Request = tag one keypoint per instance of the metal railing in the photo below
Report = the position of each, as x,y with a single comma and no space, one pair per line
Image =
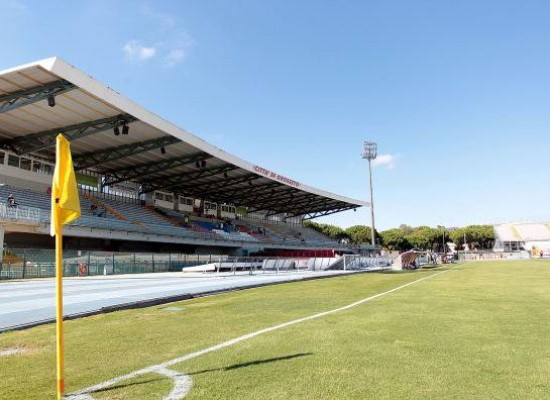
36,263
14,213
32,263
101,225
492,255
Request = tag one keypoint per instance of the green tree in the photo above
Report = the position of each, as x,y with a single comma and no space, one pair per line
332,231
457,237
361,234
407,230
423,237
476,236
480,236
442,239
394,239
406,237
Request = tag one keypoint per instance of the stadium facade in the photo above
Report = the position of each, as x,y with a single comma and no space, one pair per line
516,236
146,184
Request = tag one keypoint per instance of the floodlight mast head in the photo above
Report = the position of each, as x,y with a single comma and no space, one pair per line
370,150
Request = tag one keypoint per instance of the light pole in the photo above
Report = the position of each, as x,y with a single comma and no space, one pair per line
369,153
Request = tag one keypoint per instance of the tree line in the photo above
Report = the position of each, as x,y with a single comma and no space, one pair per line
405,237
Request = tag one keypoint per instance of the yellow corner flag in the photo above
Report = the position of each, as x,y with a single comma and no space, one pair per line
65,208
65,201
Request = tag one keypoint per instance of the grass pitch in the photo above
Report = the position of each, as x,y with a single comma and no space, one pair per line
477,331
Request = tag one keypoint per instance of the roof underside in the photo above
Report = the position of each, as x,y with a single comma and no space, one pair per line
155,153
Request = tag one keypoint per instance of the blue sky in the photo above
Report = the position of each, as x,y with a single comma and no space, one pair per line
457,94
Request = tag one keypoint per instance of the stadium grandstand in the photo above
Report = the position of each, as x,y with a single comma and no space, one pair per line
146,185
533,237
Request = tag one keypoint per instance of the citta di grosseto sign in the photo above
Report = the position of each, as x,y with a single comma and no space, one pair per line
270,174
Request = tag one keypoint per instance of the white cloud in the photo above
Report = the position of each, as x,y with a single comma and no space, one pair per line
146,52
178,50
386,160
135,51
12,6
170,44
165,21
175,56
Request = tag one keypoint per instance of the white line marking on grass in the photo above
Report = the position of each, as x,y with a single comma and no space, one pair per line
11,351
83,396
183,383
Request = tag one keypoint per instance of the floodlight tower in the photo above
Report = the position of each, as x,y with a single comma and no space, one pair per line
369,153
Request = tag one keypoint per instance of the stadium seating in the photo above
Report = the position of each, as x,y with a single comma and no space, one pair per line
26,197
530,232
522,232
104,213
238,236
261,230
173,217
293,233
134,212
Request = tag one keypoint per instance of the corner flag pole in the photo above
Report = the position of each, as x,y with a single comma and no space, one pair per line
65,208
59,312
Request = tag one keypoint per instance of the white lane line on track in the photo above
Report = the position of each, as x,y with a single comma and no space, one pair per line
86,394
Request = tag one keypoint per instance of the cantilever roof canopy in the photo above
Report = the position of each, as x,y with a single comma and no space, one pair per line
156,153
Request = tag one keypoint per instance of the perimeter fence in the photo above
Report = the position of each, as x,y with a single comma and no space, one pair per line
32,263
493,255
40,263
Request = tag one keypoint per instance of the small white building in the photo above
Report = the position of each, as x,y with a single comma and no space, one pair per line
515,236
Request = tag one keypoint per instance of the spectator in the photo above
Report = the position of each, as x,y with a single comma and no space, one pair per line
98,213
11,201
